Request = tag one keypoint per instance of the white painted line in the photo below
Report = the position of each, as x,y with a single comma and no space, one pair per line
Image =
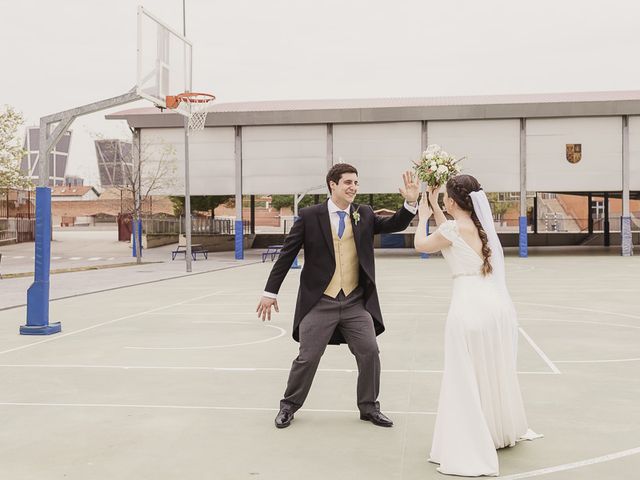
92,259
588,322
571,466
539,351
191,407
75,258
17,257
580,309
216,313
615,360
210,347
223,369
56,258
108,322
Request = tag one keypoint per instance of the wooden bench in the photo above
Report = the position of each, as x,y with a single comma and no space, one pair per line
273,250
196,249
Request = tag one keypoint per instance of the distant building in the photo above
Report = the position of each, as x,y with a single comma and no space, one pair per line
57,158
68,194
114,158
73,181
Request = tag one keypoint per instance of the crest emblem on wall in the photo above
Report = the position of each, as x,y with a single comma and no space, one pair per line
574,152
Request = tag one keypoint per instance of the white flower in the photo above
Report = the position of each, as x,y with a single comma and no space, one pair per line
433,148
444,154
429,156
442,169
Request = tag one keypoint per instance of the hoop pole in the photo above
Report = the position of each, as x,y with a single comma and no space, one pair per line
187,196
38,292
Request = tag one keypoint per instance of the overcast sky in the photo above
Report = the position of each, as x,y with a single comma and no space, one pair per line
61,54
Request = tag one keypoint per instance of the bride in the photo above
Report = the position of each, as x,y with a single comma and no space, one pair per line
480,407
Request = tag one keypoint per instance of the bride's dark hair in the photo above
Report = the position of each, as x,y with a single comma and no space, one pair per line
458,189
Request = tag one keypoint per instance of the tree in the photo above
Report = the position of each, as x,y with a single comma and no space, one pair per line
284,201
11,151
498,207
199,203
152,168
390,201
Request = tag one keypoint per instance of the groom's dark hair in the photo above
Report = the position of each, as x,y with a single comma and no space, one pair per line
335,173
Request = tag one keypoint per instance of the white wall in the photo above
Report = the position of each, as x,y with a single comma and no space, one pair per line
211,159
284,159
601,164
491,148
381,152
634,152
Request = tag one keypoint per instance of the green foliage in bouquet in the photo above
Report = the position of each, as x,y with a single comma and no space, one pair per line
436,166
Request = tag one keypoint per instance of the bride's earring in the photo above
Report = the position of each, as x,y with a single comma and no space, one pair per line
449,205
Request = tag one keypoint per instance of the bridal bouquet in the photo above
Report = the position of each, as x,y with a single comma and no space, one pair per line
436,166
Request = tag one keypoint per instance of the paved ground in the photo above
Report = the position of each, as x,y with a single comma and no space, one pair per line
177,379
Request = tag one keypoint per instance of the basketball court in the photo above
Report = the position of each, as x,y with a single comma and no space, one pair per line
178,379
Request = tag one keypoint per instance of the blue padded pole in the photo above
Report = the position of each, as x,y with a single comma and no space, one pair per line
38,292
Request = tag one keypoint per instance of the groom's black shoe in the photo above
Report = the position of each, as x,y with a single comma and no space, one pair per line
284,417
377,418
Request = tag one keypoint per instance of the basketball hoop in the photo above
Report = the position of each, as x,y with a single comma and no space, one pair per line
195,107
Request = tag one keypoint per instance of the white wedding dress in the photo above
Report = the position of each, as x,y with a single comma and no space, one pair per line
480,407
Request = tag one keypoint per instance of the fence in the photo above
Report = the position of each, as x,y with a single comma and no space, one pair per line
207,226
547,223
19,229
550,223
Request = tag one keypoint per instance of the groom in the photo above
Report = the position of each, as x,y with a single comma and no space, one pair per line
337,299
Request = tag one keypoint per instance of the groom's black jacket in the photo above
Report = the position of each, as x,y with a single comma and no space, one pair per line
312,231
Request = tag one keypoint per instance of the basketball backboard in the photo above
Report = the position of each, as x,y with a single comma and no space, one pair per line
164,60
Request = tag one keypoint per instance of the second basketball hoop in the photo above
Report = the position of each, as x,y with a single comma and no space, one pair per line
193,105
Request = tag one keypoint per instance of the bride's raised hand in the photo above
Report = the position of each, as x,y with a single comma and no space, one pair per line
433,196
424,210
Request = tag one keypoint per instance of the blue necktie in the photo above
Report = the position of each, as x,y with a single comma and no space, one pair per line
341,225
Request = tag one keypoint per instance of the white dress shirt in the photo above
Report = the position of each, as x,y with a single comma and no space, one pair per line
334,218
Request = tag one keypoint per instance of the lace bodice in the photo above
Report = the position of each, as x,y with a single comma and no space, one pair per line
461,258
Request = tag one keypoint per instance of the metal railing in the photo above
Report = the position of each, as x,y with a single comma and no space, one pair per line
19,229
199,225
8,230
556,223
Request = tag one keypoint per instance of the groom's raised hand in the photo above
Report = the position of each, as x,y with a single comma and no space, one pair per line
264,307
411,190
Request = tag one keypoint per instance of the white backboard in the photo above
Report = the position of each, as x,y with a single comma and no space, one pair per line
164,60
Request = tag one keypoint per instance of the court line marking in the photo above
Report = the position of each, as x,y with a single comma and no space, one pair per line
581,309
82,330
539,351
588,322
614,360
571,466
210,347
222,369
548,305
191,407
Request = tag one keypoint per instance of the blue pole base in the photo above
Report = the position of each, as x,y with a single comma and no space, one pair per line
239,240
40,329
424,255
38,292
523,243
295,265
